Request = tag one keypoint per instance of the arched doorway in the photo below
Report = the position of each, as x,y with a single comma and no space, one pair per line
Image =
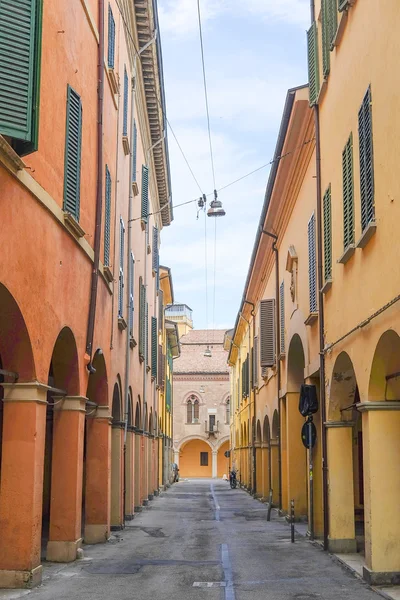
346,465
117,441
195,459
222,460
97,455
294,457
274,457
63,463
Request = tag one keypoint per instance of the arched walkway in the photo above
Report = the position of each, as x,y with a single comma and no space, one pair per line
222,461
258,451
274,457
138,491
195,459
129,503
117,441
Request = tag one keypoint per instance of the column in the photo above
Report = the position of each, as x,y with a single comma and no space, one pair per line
144,471
283,430
137,475
129,475
214,463
150,488
259,471
274,449
263,485
342,536
117,444
66,480
98,476
21,491
296,456
381,449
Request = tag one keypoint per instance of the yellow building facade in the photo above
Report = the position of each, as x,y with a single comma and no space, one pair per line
329,315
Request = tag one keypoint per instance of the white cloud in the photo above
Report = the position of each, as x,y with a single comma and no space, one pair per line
179,17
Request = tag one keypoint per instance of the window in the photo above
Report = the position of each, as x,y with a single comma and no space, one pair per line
145,194
20,70
73,142
131,295
313,67
228,411
142,318
245,378
111,38
329,28
211,421
255,362
348,194
366,161
192,408
267,332
134,152
125,114
121,268
154,346
312,265
327,234
282,316
204,459
107,219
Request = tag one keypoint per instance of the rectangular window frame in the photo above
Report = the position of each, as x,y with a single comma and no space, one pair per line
107,218
121,283
204,459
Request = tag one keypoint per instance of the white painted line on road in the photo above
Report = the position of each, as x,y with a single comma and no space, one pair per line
209,584
227,567
217,506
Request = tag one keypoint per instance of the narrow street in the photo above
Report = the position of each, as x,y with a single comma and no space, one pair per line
203,541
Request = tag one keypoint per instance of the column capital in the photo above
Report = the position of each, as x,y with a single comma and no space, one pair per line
100,412
381,405
32,391
337,424
72,403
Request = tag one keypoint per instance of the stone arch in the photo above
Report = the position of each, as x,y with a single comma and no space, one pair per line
190,438
15,345
258,432
343,389
384,381
222,441
266,431
97,390
295,364
130,408
64,365
116,411
138,414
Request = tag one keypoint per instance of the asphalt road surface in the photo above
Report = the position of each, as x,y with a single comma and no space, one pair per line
201,541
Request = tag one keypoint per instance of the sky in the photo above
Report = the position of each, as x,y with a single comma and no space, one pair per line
255,50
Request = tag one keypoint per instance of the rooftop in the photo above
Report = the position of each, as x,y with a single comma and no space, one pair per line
193,345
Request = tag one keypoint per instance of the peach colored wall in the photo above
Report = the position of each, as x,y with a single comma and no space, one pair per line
222,461
189,459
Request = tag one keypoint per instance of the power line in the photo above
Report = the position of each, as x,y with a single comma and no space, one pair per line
215,268
206,269
205,92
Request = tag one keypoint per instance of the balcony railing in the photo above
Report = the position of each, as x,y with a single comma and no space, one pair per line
211,429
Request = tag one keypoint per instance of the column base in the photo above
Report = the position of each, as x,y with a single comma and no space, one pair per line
156,493
346,546
117,527
21,579
129,517
145,502
63,552
138,509
96,534
381,578
151,496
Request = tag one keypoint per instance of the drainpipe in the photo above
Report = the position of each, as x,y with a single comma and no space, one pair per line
130,276
278,362
251,338
99,191
321,321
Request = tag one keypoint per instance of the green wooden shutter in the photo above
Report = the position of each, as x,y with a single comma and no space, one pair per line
17,53
146,334
327,210
107,218
326,46
131,293
255,362
343,4
348,194
160,310
267,332
73,143
154,346
125,115
134,152
366,161
111,38
282,316
312,265
145,194
142,318
332,20
121,267
313,66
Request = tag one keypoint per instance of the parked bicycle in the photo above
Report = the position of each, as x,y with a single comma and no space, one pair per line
233,478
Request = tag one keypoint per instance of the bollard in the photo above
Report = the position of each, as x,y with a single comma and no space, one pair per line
292,521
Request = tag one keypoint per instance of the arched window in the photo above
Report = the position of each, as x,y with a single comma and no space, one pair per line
192,407
228,410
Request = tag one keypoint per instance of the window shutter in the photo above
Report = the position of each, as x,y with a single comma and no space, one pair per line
17,62
142,318
146,337
160,368
134,152
131,295
366,161
326,45
111,38
348,194
282,316
160,310
125,115
196,409
312,266
145,193
155,250
73,141
154,346
121,267
313,67
267,332
327,234
107,219
343,4
255,362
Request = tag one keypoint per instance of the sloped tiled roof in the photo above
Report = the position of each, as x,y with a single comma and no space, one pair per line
193,345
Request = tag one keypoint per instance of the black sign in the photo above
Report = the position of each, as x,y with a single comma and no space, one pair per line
227,454
305,434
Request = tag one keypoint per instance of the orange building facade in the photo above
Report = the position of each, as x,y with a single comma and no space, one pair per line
84,192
